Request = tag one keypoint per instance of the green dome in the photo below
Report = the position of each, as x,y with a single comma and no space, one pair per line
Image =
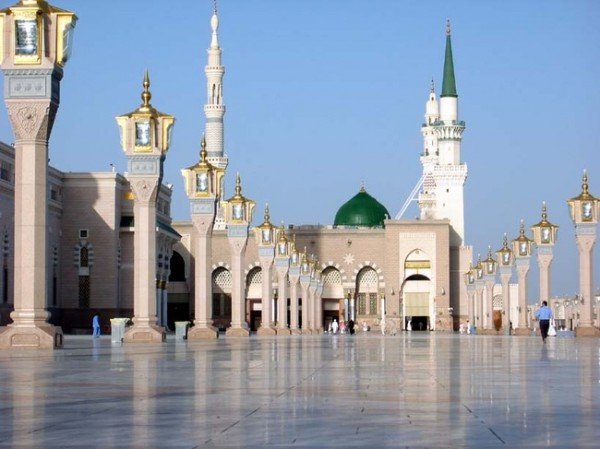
361,210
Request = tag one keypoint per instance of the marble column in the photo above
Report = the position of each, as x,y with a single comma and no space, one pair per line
304,284
505,275
238,238
544,258
489,280
144,329
479,287
471,303
266,263
282,290
294,276
319,307
522,267
203,215
586,238
312,310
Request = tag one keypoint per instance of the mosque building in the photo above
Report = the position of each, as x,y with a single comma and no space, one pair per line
218,273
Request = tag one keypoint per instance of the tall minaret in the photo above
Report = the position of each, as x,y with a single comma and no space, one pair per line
429,157
214,109
449,173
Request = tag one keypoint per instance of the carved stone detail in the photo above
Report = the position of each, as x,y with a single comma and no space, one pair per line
32,120
145,190
203,223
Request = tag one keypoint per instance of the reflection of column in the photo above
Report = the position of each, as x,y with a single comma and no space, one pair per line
505,275
522,264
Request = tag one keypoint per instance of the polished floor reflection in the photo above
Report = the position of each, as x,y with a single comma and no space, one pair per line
412,390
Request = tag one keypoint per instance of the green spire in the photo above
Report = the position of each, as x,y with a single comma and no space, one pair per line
449,83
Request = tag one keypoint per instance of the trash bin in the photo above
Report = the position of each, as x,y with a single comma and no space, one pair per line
181,330
117,329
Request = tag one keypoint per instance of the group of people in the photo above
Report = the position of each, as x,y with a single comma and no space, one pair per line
342,327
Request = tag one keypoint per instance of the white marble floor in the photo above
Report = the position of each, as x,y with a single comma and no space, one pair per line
413,390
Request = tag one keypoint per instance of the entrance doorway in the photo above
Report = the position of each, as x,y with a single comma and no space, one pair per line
418,323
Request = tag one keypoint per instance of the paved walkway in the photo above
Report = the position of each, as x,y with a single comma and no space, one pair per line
412,390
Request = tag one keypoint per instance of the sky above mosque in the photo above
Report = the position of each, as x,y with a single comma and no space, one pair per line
323,96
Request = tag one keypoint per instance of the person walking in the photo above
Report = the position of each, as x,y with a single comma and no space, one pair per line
351,326
334,326
544,315
96,326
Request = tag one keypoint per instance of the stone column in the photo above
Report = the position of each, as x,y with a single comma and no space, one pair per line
522,264
544,260
266,263
165,305
238,237
505,275
319,307
471,303
282,289
294,276
586,238
312,310
304,284
489,280
203,225
479,287
144,329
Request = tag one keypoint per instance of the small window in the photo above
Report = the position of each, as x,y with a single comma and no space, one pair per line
83,233
6,171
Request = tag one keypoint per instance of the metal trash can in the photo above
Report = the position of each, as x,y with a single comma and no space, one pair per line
181,330
117,329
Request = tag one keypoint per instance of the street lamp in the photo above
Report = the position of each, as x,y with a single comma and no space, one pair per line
282,266
489,277
266,252
238,215
294,278
544,236
505,264
584,210
522,251
479,287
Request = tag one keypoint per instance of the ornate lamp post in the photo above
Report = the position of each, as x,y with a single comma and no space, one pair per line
238,215
282,265
544,236
319,303
479,286
265,239
469,279
35,44
203,188
584,210
294,277
304,284
505,262
489,277
522,252
145,138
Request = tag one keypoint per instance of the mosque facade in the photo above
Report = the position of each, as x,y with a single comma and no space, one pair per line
365,266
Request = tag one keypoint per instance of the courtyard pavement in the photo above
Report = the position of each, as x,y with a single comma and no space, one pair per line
413,390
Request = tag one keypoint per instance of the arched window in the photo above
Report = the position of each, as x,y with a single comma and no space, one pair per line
177,265
367,284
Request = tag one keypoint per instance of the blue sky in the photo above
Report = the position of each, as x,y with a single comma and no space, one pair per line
323,95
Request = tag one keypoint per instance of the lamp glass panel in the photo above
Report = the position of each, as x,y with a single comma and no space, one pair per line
490,267
202,182
295,258
68,42
26,37
283,249
266,235
505,257
586,210
142,133
237,211
546,235
522,248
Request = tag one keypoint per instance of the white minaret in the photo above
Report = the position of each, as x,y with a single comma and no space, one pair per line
214,110
429,157
444,174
